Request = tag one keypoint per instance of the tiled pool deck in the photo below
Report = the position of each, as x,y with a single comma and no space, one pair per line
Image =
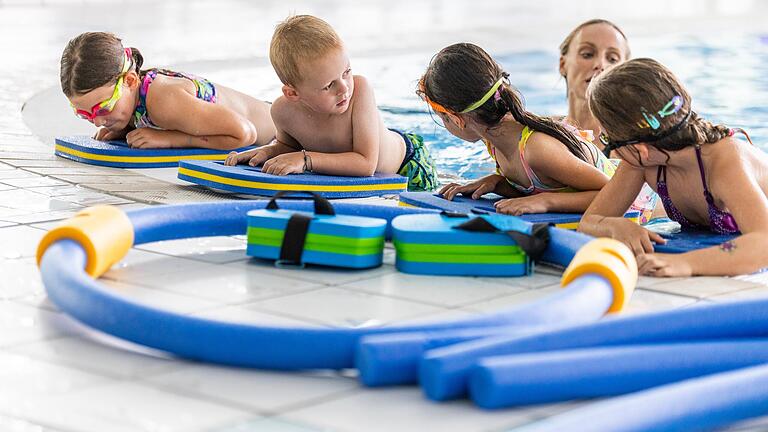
57,375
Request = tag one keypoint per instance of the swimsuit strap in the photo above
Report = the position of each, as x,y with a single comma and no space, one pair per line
707,195
537,186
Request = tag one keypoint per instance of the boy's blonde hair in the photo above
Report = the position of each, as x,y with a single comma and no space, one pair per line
299,39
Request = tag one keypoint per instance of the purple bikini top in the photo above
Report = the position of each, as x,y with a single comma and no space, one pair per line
720,221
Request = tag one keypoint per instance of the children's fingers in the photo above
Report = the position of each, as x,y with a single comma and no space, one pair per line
657,238
646,243
480,191
257,159
449,191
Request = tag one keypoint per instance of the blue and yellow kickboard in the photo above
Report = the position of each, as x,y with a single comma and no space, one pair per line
462,204
332,240
250,180
429,244
118,154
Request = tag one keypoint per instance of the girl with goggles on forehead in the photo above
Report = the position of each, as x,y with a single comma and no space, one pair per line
156,108
541,165
706,176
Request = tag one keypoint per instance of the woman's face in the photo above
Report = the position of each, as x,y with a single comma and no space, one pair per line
594,48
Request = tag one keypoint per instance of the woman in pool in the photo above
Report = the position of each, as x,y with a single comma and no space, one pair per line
589,49
537,158
706,176
106,86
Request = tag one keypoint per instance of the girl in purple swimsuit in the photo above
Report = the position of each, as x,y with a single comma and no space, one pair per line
706,176
156,108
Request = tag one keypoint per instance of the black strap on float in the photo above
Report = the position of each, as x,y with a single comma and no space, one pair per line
533,244
297,228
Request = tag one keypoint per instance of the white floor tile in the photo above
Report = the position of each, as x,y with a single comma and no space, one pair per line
249,314
19,242
703,287
21,324
94,356
345,308
124,406
437,290
403,410
223,283
20,278
22,376
263,391
209,249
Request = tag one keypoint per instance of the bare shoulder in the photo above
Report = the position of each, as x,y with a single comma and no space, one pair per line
363,88
541,146
282,110
165,100
727,153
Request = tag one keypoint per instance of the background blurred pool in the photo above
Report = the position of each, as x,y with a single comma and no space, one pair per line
727,78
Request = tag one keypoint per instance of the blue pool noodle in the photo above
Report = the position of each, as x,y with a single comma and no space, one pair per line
556,376
76,293
699,404
443,372
393,359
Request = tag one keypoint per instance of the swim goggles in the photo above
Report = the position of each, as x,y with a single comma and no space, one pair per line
439,108
105,107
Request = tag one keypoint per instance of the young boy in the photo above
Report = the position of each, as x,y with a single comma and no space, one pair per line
327,120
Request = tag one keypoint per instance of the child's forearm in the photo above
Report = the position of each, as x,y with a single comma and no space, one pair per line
569,202
343,164
597,225
743,255
218,142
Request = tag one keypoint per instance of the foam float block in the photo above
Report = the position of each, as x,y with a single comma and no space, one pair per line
250,180
430,244
331,240
119,155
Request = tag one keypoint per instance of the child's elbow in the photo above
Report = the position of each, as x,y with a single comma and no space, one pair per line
368,169
246,135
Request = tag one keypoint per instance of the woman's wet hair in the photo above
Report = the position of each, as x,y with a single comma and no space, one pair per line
565,45
626,97
461,74
92,60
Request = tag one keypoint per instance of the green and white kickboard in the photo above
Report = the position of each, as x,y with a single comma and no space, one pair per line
331,240
430,244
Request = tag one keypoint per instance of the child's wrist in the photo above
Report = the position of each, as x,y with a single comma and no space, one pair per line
307,161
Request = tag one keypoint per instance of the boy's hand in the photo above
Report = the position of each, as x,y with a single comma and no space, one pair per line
253,157
477,188
522,205
639,239
147,138
664,265
287,163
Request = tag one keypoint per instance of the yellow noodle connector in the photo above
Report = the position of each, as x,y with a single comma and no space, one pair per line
610,259
104,232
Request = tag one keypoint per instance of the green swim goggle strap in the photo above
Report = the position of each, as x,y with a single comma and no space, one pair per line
485,97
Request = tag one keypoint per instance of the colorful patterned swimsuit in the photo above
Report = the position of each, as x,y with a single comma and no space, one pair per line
205,91
537,186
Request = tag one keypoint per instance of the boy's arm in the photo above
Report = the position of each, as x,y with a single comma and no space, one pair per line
191,122
364,157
